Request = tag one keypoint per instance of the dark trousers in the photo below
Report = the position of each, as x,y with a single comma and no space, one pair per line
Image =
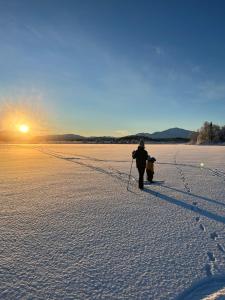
149,175
141,172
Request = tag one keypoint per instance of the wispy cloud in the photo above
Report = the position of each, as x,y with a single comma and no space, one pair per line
158,50
212,90
35,32
196,69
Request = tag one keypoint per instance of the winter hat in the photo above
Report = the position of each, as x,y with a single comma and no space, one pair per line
142,143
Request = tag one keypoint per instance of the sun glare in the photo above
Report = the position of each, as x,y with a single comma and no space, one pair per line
24,128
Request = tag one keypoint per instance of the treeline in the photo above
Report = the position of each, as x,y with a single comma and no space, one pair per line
130,139
209,133
135,139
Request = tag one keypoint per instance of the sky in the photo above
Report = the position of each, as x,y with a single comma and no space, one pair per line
112,67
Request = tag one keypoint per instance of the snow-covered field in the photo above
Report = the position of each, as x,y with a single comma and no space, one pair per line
71,230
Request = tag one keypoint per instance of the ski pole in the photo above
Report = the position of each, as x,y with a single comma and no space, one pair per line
130,174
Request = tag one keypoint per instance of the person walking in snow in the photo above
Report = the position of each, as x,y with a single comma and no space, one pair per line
141,156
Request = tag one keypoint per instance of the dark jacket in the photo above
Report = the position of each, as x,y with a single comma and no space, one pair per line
141,156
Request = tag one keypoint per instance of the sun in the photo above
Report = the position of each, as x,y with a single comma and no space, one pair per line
24,128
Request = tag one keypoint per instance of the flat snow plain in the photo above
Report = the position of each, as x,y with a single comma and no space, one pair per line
71,230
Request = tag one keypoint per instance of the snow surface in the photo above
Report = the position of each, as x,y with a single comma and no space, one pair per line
71,230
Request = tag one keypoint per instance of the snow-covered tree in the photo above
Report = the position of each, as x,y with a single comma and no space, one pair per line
194,137
209,133
222,134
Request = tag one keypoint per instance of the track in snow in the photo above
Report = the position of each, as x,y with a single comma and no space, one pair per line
210,265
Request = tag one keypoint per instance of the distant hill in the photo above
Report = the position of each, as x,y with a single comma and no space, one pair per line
171,133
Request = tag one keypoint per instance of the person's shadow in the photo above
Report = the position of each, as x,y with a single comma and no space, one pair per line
197,196
155,182
185,205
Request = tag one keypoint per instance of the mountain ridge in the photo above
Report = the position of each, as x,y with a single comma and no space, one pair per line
174,132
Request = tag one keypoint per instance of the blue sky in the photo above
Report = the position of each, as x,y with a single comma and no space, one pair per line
115,67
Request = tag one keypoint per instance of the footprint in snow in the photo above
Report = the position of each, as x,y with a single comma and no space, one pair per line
209,270
187,188
221,248
214,236
211,256
202,227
